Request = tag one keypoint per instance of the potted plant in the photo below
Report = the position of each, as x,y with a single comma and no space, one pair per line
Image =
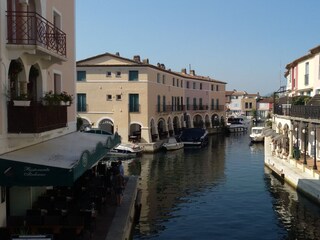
51,98
21,100
66,98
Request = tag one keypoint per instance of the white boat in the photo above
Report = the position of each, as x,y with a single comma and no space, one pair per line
237,124
126,149
257,134
172,144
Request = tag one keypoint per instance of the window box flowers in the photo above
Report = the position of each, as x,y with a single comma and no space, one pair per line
66,98
51,98
21,100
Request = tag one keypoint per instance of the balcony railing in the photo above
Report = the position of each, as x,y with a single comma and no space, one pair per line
301,111
30,28
36,118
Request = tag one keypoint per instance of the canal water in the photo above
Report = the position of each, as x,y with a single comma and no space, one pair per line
222,191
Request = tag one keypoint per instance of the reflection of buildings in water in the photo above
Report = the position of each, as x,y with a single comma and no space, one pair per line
171,178
300,217
256,147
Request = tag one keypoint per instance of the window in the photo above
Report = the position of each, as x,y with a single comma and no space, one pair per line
217,88
188,103
200,86
158,103
158,77
246,105
173,81
108,74
212,87
187,84
133,102
163,79
133,75
178,82
82,102
217,104
194,85
57,83
250,105
212,104
164,103
118,97
181,83
109,97
118,74
200,104
81,76
306,76
194,104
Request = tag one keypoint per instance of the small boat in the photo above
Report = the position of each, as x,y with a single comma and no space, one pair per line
172,144
126,150
194,137
257,134
237,124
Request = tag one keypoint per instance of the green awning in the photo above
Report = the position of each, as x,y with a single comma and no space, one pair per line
56,162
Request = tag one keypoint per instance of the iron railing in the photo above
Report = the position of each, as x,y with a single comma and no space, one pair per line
30,28
36,118
301,111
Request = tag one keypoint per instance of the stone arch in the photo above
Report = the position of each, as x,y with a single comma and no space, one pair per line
198,121
135,131
86,124
215,120
17,79
162,128
34,85
106,124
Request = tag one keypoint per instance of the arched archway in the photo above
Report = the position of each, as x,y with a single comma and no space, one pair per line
17,80
162,130
34,85
215,120
198,121
135,132
106,125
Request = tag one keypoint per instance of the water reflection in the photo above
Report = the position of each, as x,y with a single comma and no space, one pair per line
222,190
298,216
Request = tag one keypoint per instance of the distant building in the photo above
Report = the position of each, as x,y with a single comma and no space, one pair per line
144,101
241,103
303,74
264,107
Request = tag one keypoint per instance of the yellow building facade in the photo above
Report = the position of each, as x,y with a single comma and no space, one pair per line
144,101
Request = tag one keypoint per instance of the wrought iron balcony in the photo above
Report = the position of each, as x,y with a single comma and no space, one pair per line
300,111
30,28
36,118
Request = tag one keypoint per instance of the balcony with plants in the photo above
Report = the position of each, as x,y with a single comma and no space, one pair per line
26,114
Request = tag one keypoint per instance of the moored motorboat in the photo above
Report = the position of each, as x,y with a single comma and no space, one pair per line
237,124
257,134
194,137
173,144
126,149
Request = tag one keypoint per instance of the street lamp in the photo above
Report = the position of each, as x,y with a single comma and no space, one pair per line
305,131
314,133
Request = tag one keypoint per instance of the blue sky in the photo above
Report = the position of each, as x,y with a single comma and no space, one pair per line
246,43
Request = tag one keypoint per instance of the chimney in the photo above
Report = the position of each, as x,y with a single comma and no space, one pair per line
192,72
136,58
117,54
146,61
184,70
162,66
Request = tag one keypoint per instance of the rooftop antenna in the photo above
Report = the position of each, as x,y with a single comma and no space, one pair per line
189,68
